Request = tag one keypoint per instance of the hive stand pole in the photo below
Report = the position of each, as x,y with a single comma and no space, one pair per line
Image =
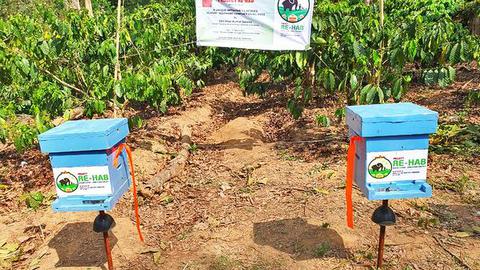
102,224
381,241
108,250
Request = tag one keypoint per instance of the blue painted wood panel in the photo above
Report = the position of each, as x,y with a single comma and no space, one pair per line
391,119
84,135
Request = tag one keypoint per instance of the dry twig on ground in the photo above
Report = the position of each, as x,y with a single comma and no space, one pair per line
174,168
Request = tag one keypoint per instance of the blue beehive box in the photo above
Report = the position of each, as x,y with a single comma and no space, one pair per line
82,155
391,160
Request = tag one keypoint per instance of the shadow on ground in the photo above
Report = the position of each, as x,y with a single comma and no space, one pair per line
300,239
458,217
77,245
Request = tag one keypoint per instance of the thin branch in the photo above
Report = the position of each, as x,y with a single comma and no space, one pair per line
64,83
135,47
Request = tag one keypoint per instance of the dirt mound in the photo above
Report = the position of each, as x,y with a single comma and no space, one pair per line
238,131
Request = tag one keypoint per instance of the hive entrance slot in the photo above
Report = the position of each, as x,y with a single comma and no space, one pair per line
93,201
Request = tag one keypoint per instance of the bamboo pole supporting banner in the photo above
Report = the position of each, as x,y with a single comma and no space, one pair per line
117,73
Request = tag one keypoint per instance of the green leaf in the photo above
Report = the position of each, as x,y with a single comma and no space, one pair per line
330,82
454,54
45,48
353,82
38,196
381,96
443,79
430,77
322,120
358,49
377,61
397,89
363,93
412,49
300,59
371,95
451,74
118,90
294,108
320,40
340,113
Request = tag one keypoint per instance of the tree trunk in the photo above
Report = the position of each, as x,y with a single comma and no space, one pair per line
88,6
75,4
475,25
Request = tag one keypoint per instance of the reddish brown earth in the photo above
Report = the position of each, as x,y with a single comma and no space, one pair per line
260,191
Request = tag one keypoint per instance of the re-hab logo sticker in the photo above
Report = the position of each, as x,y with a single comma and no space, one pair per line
391,166
87,181
380,167
66,182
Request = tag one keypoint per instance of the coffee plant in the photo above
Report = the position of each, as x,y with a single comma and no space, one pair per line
53,59
352,53
56,59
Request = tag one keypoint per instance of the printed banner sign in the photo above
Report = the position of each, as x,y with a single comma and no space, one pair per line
254,24
82,181
397,166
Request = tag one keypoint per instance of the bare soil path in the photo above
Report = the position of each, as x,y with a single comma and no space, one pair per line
260,191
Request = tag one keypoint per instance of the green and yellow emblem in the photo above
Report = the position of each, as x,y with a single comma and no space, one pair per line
380,167
293,11
67,182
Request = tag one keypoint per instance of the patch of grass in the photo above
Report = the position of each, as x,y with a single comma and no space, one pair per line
322,250
135,122
427,222
246,190
184,235
364,255
193,148
223,263
340,114
461,186
462,139
285,155
322,120
166,199
473,97
265,265
464,184
319,168
34,200
420,206
472,199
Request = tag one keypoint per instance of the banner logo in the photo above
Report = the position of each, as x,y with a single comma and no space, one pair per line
293,11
